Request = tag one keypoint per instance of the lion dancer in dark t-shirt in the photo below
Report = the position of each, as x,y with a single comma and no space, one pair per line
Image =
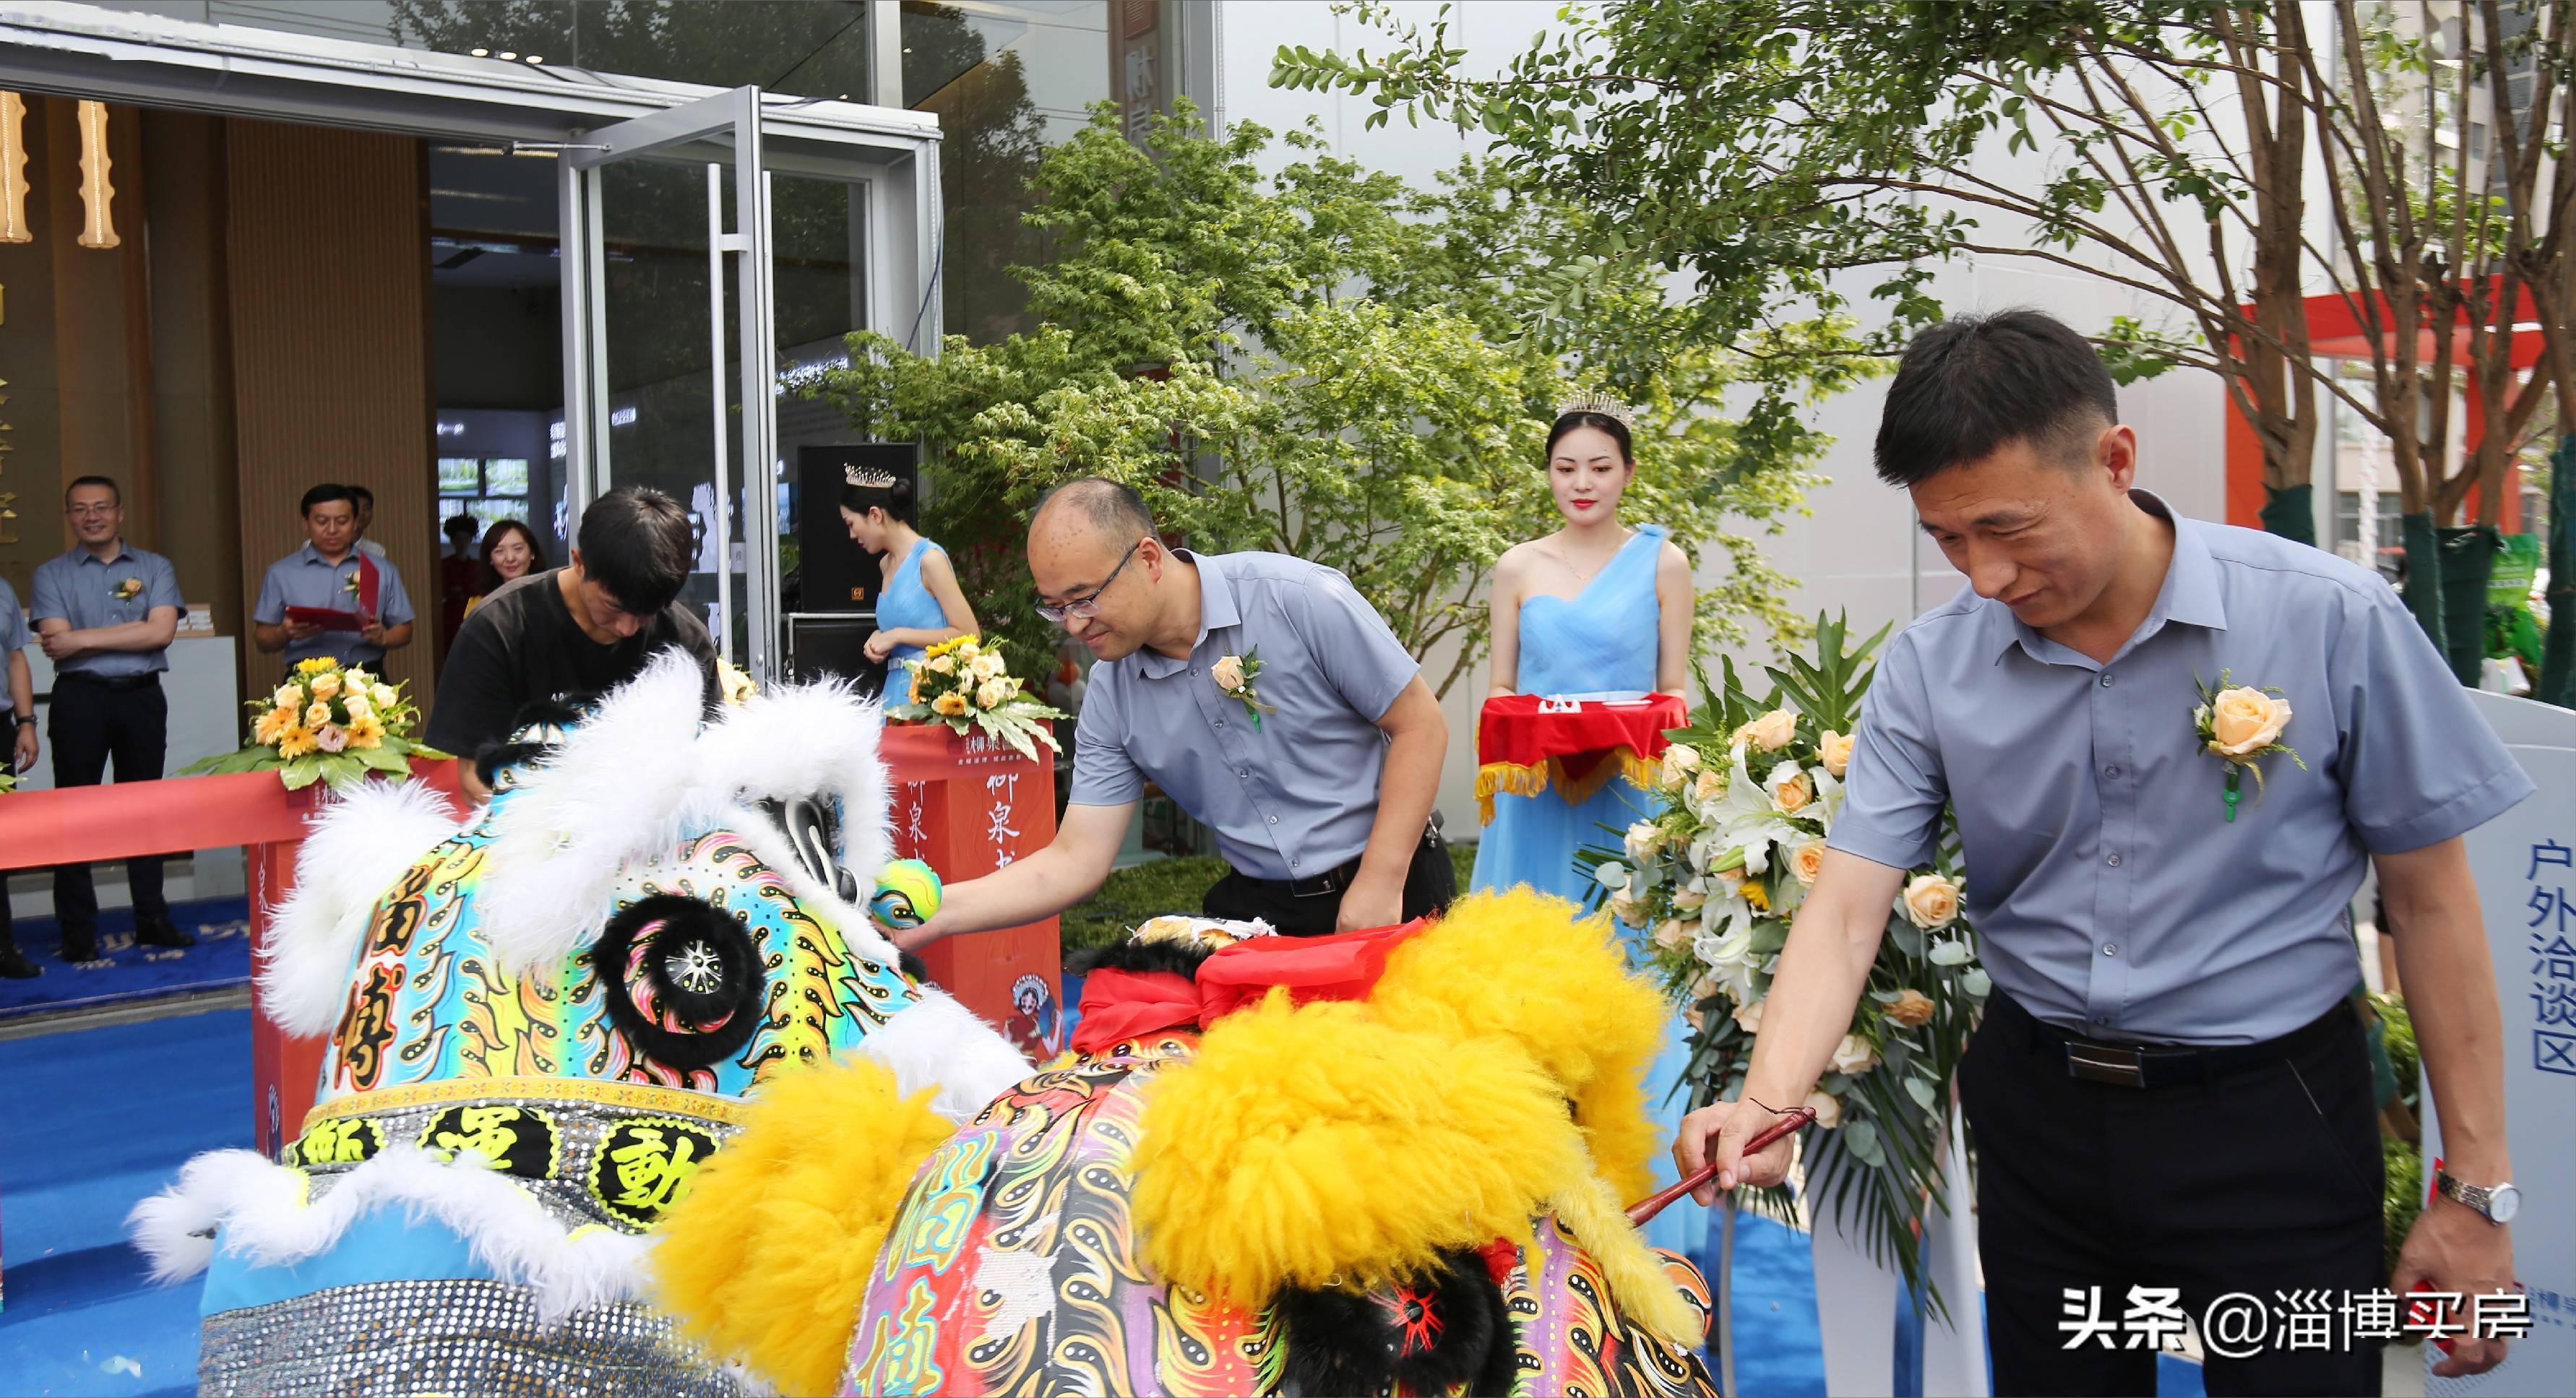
582,629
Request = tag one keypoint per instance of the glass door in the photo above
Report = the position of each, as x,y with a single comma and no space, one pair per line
680,231
654,210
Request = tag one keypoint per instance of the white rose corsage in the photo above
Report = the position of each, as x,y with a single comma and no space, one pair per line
1235,676
2240,725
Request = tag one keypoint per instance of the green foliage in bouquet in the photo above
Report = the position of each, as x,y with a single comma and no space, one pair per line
1748,793
963,682
326,724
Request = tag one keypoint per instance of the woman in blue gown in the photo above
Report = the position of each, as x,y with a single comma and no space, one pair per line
1595,609
921,604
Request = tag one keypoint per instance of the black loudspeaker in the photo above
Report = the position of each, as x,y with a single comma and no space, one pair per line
834,574
833,646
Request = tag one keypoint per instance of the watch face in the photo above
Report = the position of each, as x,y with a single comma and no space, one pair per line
2503,1203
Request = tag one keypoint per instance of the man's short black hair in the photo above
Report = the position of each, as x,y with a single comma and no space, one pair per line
325,494
1112,507
1975,383
79,481
360,496
635,542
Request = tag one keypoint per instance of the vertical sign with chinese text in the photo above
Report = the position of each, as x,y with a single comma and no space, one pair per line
2524,862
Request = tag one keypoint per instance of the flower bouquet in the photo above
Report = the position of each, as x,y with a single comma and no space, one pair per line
1746,797
966,684
326,724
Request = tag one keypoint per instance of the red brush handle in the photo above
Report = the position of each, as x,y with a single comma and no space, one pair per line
1644,1211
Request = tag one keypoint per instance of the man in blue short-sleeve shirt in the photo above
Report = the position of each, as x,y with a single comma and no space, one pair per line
21,749
105,613
2170,1088
1318,782
319,575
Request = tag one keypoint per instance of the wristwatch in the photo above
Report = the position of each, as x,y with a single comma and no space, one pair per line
26,720
2498,1202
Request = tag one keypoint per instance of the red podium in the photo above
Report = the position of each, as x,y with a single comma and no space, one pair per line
966,805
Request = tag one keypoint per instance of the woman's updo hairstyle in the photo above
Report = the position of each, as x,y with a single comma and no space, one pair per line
894,497
1568,422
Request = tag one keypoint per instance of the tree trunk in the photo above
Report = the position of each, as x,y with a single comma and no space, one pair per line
2558,649
2424,577
2468,560
2291,512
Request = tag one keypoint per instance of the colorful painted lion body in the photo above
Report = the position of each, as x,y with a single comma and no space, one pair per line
625,1095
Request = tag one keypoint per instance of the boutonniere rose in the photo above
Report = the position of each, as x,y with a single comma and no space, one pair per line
1235,676
127,590
2240,725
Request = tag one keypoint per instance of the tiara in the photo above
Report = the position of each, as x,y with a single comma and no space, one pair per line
868,477
1598,402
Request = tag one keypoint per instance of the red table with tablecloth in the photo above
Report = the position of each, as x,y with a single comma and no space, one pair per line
1527,744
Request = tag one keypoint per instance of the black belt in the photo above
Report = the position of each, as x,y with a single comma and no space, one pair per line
2162,1065
1332,881
114,684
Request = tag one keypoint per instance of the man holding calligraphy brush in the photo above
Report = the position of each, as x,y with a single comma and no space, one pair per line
2170,747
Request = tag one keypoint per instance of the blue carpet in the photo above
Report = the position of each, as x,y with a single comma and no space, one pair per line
125,971
121,1108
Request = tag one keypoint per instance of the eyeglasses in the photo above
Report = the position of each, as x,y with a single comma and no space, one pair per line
89,511
1085,608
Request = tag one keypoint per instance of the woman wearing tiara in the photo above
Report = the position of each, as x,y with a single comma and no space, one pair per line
920,605
1594,610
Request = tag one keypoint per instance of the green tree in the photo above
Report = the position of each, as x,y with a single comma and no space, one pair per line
1775,149
1329,364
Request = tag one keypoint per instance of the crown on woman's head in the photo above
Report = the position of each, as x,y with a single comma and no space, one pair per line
1598,402
869,477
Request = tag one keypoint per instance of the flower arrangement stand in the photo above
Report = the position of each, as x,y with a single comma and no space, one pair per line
1856,1298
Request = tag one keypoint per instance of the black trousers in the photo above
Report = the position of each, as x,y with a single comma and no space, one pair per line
91,723
1429,885
2260,1180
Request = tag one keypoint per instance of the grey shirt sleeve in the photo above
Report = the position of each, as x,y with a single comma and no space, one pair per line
393,605
13,622
49,599
161,587
2419,765
1103,772
1895,788
270,610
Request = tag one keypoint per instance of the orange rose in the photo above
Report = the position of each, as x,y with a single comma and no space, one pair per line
1912,1008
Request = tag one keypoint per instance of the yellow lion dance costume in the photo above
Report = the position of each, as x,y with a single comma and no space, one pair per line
1387,1162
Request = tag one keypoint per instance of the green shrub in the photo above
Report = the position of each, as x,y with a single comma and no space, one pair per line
2403,1198
2401,1047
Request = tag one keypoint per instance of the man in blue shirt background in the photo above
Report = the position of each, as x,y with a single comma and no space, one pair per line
318,576
2169,1087
105,613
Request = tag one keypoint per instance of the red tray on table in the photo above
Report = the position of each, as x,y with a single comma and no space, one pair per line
1529,743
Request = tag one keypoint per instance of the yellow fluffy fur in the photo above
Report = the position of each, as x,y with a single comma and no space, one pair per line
1308,1142
767,1256
1638,1281
1529,968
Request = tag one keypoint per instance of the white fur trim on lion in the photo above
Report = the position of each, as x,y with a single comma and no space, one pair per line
357,845
766,843
624,784
806,740
266,1220
940,1043
613,788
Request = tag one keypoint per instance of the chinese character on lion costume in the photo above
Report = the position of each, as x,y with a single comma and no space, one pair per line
624,1094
